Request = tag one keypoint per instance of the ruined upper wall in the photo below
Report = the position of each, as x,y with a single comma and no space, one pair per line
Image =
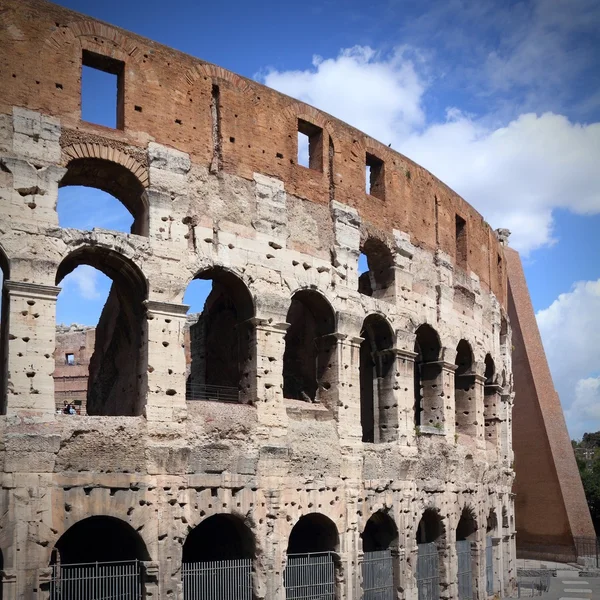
168,98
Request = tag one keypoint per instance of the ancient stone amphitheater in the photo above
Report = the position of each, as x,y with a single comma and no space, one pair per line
336,436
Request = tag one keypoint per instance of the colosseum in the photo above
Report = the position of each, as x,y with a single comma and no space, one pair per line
315,433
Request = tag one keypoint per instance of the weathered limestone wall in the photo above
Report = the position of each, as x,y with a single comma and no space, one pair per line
236,208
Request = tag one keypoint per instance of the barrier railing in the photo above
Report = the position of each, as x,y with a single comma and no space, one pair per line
221,393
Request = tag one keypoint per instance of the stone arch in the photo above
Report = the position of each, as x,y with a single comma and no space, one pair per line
464,390
491,524
308,373
214,72
380,533
490,369
467,526
312,533
221,340
221,536
118,366
378,281
114,172
86,30
428,405
113,540
4,329
376,380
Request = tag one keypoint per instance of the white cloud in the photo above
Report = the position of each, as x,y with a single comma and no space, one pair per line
85,280
515,175
570,329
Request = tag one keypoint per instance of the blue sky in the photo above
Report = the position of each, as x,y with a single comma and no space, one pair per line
499,99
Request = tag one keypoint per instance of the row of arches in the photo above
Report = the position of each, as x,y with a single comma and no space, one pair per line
221,351
220,557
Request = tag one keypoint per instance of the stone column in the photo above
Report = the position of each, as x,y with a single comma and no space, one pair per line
166,368
437,381
347,374
8,577
491,413
498,565
267,379
479,406
32,332
403,392
150,580
409,572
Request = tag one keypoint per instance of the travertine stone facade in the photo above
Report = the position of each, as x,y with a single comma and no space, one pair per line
327,430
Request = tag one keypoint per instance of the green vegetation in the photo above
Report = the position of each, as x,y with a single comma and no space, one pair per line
587,455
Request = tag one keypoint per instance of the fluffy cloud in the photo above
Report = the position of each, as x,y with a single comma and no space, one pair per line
84,281
570,329
515,174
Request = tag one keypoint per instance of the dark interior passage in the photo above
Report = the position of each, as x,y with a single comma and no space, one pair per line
380,533
221,339
100,539
220,537
426,377
313,533
431,527
308,346
467,526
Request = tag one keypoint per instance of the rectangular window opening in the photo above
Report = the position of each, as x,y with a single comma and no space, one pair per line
461,242
69,358
310,145
375,178
102,90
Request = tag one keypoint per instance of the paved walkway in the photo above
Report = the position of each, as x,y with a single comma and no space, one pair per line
567,585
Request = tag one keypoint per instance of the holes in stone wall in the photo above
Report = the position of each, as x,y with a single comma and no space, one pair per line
310,145
461,254
464,390
375,176
428,384
102,90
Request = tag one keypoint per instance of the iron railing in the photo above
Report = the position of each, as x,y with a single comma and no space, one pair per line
221,393
97,581
378,575
428,571
310,576
489,565
465,574
218,580
587,551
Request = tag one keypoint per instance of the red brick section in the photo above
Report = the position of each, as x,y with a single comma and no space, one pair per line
550,503
168,98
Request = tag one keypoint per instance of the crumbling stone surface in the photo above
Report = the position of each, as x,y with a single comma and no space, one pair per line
205,161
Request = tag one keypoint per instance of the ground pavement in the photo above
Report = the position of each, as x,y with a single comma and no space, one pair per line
567,585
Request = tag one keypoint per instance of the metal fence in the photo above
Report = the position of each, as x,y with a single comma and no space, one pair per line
97,581
310,576
428,571
465,574
587,551
378,575
489,565
196,391
218,580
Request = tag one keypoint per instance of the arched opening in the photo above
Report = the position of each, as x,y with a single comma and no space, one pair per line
308,360
376,384
97,186
464,390
378,278
4,329
220,337
312,559
491,540
430,555
217,560
466,532
491,402
380,576
428,390
98,557
106,364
